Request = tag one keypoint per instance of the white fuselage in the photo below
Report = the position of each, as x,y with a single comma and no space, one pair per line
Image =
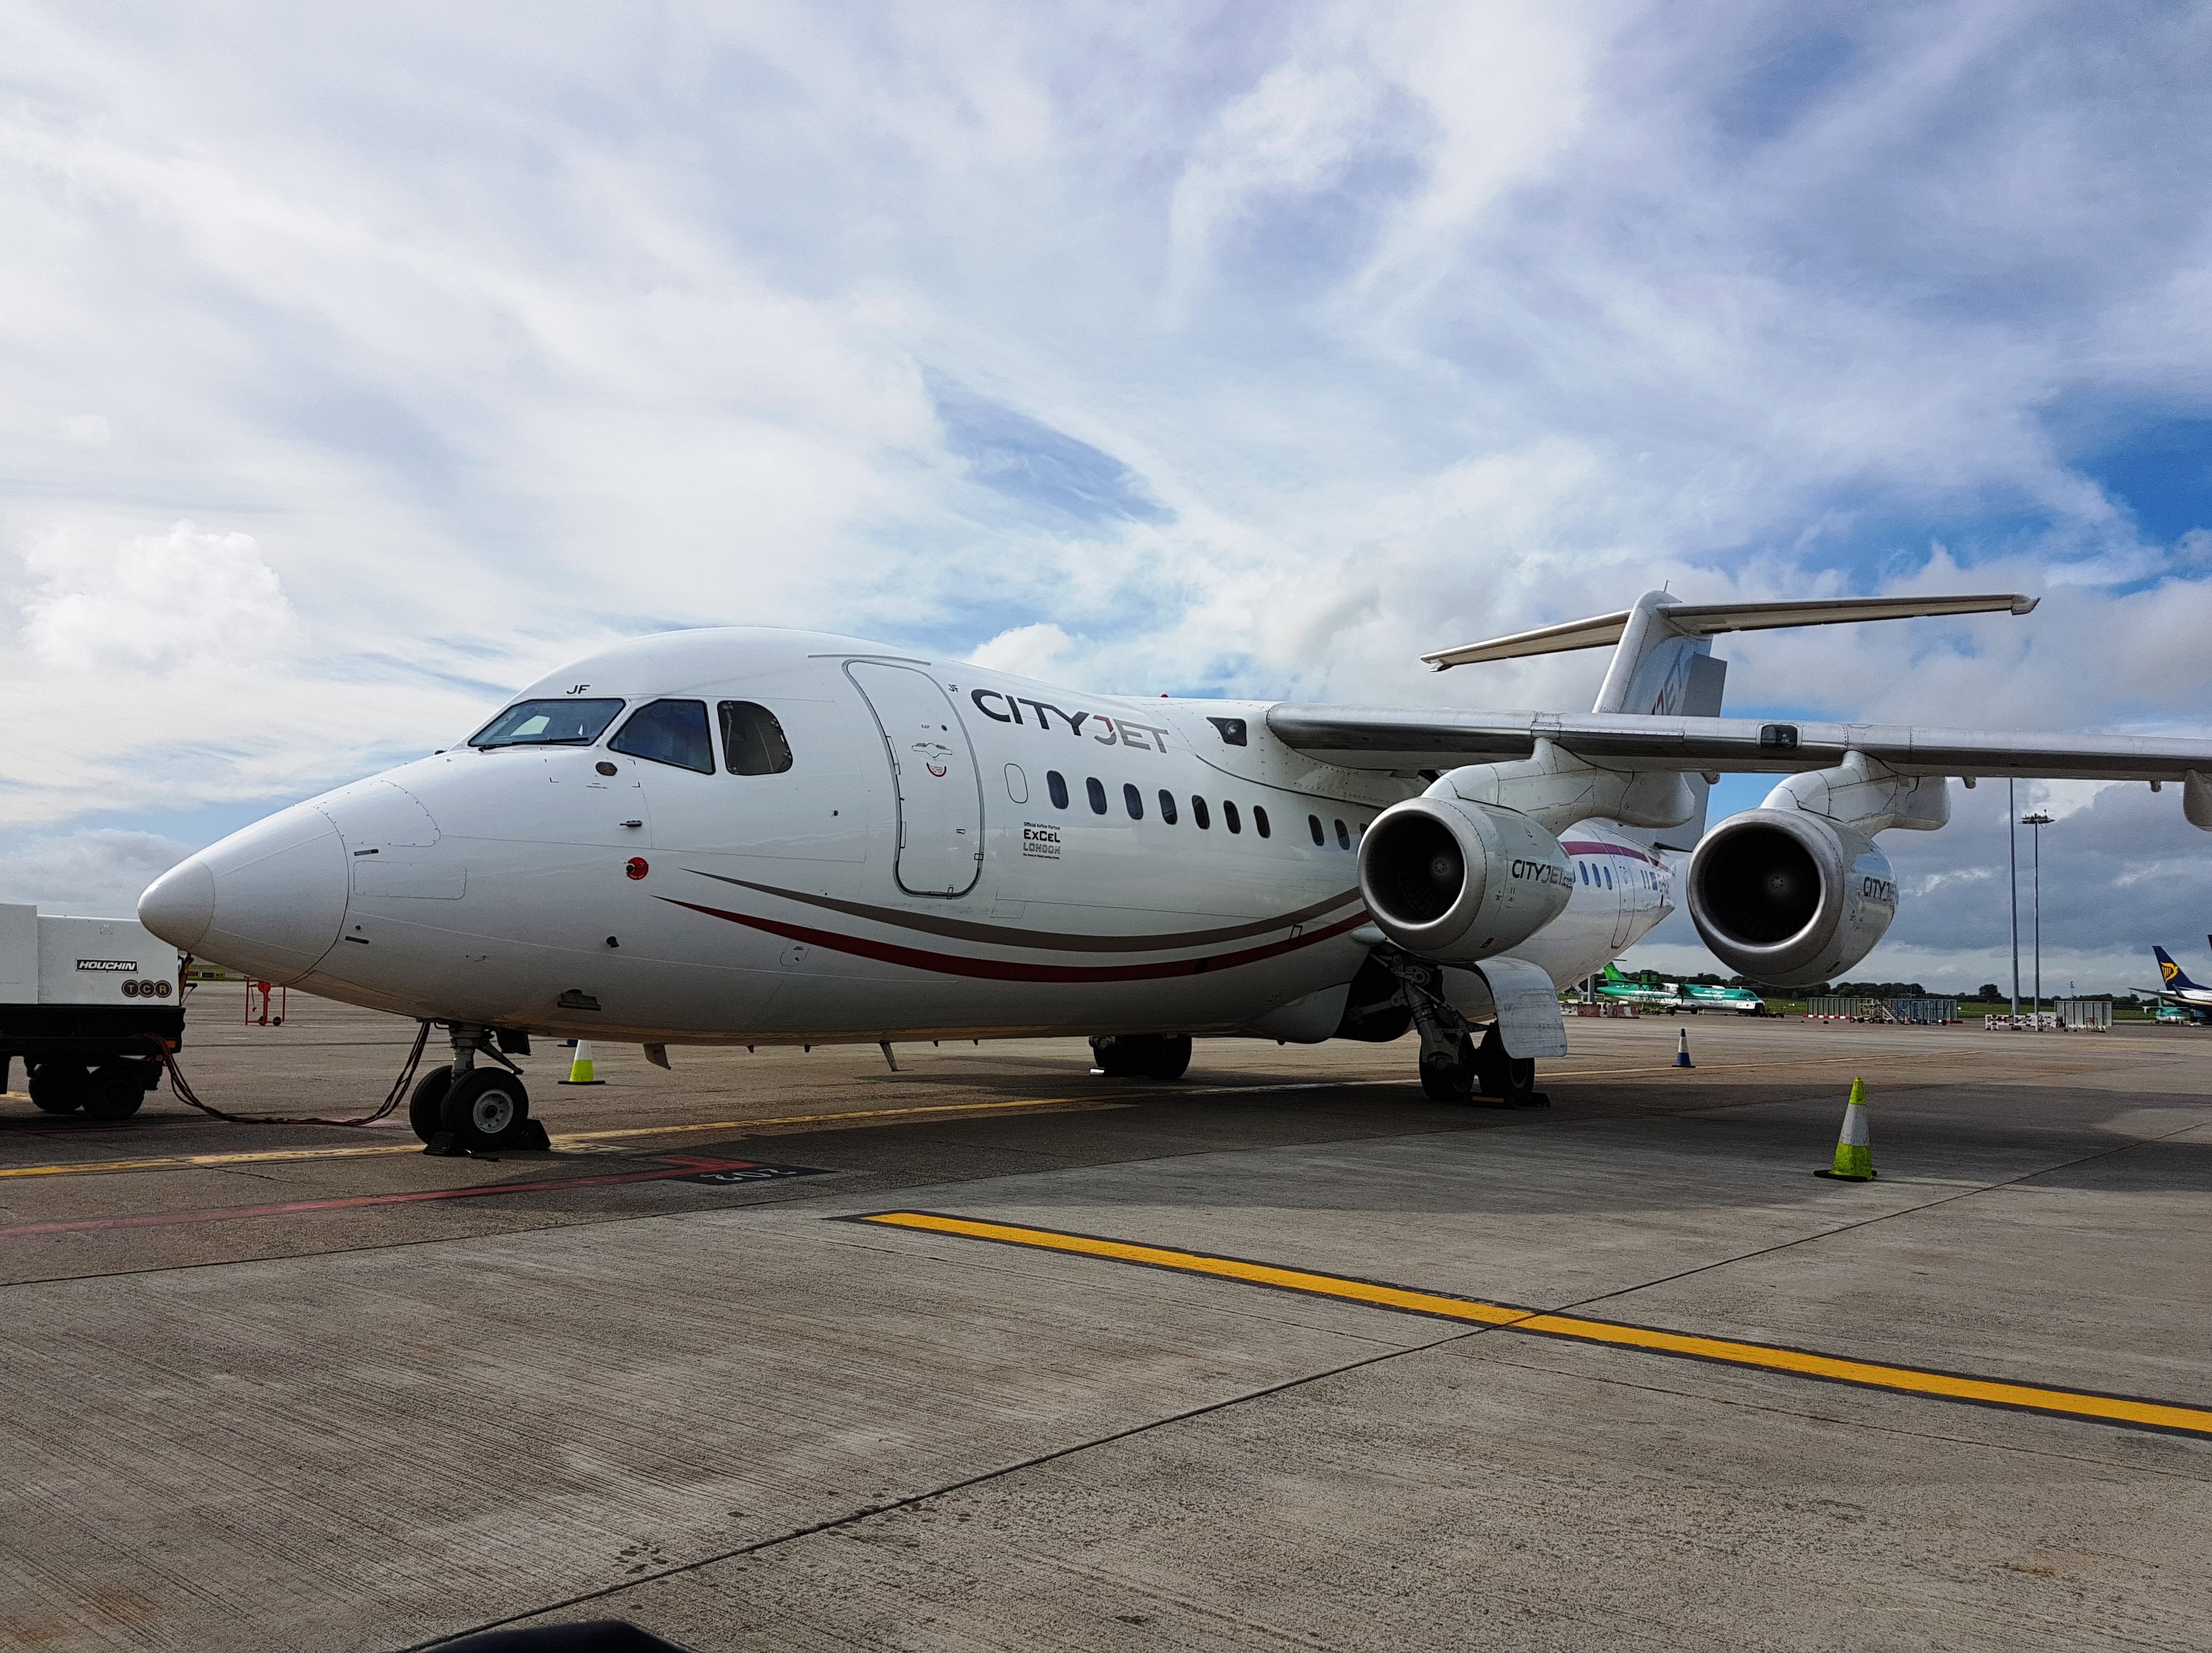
952,852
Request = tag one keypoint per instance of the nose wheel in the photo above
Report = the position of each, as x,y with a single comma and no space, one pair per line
486,1108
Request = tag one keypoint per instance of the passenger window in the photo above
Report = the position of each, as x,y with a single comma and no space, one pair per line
1018,784
1097,795
1313,825
1259,819
1229,817
1167,806
1608,878
753,740
1343,837
672,732
1056,784
1198,813
1581,871
1134,801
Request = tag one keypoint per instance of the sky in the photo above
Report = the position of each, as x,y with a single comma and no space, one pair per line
359,365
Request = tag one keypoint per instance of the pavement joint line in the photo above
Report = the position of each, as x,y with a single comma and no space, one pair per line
2124,1411
891,1506
583,1138
1967,1193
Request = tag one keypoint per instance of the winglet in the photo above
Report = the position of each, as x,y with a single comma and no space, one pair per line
1710,619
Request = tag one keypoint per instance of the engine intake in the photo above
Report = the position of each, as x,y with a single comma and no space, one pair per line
1788,898
1455,881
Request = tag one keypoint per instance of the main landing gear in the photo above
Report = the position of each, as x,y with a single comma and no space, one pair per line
1142,1055
1455,1069
461,1108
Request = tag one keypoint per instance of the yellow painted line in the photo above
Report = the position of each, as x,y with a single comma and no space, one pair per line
1770,1357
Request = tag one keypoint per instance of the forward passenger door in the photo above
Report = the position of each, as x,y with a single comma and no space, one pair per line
940,796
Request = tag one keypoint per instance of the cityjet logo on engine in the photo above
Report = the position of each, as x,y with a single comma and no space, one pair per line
1881,890
1542,871
1108,732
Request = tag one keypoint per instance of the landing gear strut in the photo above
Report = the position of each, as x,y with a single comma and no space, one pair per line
1455,1070
463,1109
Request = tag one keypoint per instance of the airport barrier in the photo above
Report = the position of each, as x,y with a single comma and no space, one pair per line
1936,1011
2068,1015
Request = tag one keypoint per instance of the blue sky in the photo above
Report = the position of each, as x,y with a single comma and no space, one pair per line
360,365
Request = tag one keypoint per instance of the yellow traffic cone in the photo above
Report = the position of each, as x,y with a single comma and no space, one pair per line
579,1067
1854,1161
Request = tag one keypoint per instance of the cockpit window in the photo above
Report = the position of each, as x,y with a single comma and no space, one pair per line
668,732
752,739
549,723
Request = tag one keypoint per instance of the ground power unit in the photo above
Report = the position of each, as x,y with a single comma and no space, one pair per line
88,1004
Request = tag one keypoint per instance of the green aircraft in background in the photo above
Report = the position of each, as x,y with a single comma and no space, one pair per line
1649,990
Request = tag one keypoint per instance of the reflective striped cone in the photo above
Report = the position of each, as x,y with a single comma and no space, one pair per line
580,1067
1854,1161
1682,1048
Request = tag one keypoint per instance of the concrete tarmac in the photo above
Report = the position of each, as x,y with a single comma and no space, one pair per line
295,1387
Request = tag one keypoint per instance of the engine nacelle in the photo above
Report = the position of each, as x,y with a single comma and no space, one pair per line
1785,897
1455,882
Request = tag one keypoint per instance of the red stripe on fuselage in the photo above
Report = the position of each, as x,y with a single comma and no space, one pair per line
995,969
1583,846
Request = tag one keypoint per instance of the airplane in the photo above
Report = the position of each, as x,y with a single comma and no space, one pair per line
2175,991
749,836
1701,995
1648,989
1645,990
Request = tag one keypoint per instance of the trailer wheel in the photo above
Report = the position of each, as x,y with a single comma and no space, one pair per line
425,1106
485,1108
115,1090
59,1087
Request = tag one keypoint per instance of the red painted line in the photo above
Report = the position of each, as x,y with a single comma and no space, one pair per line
1004,970
683,1166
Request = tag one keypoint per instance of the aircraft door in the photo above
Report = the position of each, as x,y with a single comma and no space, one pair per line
1625,912
941,794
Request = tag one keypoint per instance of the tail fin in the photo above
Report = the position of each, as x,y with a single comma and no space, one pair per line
2171,974
1612,973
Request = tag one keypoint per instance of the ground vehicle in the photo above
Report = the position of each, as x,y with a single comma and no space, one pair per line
87,1003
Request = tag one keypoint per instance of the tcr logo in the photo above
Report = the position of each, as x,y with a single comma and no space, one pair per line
1110,731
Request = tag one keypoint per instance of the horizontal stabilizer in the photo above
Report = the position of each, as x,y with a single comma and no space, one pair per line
1708,619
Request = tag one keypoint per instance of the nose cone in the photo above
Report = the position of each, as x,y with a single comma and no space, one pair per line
267,901
180,905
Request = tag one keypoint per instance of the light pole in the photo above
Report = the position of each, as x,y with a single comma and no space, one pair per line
2036,823
2012,855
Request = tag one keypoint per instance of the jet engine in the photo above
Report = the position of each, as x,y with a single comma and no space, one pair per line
1455,881
1785,897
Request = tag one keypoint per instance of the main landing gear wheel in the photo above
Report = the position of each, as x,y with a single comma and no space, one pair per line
426,1106
1506,1081
1142,1055
486,1108
115,1090
1451,1079
59,1087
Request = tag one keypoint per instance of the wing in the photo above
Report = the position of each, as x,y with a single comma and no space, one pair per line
1380,738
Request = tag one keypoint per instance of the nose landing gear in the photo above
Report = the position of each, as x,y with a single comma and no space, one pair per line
462,1108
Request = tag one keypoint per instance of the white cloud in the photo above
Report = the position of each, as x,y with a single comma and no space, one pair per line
99,873
85,430
1032,651
157,604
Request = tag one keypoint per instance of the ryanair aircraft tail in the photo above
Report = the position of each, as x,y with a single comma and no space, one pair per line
2171,974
